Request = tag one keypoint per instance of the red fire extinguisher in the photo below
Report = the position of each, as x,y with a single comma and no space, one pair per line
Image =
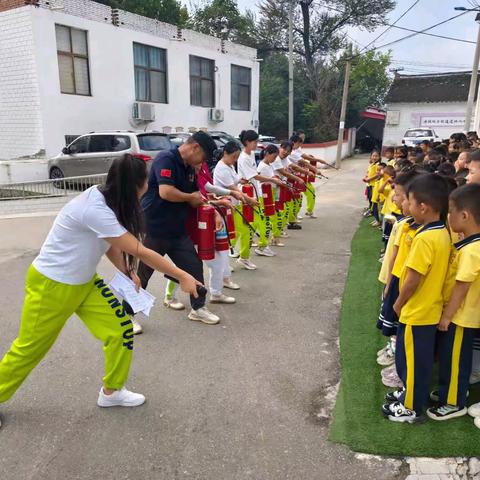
230,223
268,201
222,242
311,176
247,210
280,200
206,232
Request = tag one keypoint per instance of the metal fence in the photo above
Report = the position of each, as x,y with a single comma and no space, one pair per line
44,195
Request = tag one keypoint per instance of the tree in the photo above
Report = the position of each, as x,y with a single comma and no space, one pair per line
169,11
222,19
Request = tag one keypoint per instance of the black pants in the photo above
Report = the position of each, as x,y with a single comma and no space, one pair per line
414,357
455,348
183,254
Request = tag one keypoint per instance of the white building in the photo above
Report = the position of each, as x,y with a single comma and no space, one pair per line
437,101
68,67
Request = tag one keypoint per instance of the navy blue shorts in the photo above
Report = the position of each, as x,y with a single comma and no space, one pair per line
388,319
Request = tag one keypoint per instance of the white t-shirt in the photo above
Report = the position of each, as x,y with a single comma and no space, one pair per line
225,176
280,163
295,156
266,170
247,169
75,244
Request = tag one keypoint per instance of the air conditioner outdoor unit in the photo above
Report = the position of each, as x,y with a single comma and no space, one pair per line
144,111
216,115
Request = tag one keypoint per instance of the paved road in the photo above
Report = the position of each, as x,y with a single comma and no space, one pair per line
249,398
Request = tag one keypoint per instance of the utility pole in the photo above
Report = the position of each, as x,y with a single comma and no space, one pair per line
343,111
290,68
473,83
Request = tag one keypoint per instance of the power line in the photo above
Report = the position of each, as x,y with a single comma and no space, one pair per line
394,23
433,34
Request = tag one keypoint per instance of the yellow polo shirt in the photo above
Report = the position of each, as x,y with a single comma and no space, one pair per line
389,207
372,170
465,267
429,255
403,241
382,276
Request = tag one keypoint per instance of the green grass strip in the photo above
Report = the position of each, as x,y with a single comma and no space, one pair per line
358,421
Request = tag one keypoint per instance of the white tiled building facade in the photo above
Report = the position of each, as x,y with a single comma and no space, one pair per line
183,74
437,101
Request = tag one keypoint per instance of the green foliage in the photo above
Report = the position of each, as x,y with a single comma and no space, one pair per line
221,18
169,11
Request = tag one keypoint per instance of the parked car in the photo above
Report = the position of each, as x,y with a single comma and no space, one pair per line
415,136
93,153
263,141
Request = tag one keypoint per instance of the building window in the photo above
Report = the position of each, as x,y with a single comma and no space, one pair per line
202,82
150,73
72,53
241,87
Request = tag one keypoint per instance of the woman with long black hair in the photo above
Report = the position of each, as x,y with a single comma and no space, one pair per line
62,280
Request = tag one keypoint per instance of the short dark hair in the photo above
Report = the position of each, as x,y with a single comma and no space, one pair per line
287,144
446,169
270,148
390,149
467,197
248,136
231,147
404,178
389,170
299,131
431,189
474,156
295,138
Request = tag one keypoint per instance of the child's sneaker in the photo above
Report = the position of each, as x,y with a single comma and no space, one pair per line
397,412
383,350
390,377
474,377
474,410
387,358
446,412
476,421
395,395
435,396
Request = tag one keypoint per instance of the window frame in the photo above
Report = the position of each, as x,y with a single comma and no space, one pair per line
148,70
72,57
201,78
232,83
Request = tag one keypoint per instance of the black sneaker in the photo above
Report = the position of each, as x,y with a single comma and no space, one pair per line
397,412
394,396
446,412
294,226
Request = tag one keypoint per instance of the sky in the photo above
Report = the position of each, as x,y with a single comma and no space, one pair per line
422,54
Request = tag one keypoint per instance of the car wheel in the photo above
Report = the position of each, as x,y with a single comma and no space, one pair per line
57,174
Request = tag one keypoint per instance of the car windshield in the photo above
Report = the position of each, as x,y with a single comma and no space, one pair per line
152,142
418,133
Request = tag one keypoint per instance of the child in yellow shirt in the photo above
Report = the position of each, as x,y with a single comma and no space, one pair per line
420,300
461,316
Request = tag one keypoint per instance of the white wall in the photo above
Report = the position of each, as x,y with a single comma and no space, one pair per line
21,131
410,117
112,80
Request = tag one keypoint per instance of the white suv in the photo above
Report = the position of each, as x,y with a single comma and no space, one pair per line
415,136
93,153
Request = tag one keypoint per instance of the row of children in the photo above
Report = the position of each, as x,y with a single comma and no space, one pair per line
232,180
431,276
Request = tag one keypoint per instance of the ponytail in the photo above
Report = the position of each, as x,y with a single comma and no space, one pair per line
126,175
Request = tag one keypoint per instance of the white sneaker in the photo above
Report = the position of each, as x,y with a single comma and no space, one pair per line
299,217
474,377
474,410
277,243
246,263
311,215
120,398
203,315
264,252
254,244
173,303
233,255
285,235
221,299
231,285
137,328
476,421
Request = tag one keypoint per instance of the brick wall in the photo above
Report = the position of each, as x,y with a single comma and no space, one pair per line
21,131
11,4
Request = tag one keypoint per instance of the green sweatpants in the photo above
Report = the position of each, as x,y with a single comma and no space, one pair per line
244,234
310,197
262,225
294,210
48,305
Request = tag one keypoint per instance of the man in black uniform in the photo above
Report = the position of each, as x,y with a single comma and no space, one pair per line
171,190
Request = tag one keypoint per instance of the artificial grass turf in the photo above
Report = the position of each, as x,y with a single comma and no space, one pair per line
358,421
